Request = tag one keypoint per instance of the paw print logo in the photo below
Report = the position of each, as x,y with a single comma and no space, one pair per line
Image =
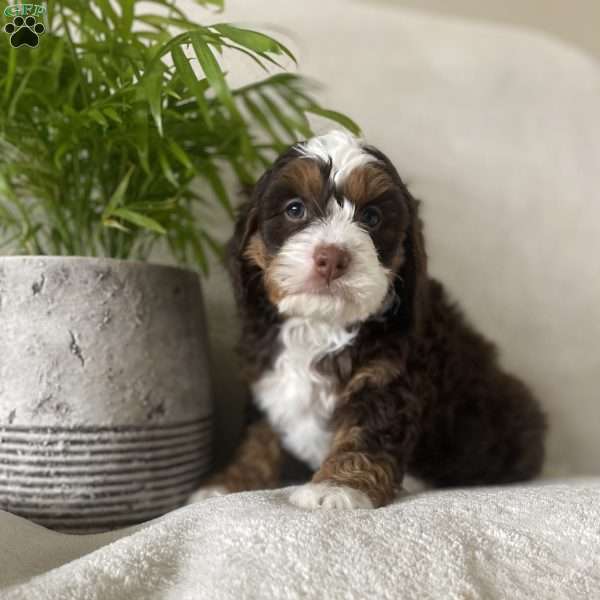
24,32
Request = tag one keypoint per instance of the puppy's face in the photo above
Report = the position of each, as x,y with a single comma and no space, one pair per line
327,228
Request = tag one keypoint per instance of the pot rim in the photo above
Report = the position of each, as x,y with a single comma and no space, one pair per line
137,264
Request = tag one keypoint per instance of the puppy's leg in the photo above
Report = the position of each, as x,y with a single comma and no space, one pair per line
256,465
351,477
365,467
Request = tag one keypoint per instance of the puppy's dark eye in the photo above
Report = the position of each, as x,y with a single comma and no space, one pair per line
295,210
370,217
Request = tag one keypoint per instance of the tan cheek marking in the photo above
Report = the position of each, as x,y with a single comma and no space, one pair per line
366,183
274,292
256,252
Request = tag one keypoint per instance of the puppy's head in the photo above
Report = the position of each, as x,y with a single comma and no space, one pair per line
331,233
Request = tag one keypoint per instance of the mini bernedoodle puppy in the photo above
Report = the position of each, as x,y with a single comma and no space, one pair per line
359,363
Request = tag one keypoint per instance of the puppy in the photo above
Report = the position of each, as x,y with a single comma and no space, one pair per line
359,363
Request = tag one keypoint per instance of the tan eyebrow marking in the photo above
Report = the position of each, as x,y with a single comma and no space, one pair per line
367,183
305,178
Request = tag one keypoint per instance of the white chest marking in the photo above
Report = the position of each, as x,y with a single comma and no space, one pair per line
298,400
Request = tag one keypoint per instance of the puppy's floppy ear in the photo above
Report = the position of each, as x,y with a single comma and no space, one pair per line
412,283
240,271
245,226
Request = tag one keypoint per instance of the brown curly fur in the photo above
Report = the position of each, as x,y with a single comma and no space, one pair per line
256,464
420,391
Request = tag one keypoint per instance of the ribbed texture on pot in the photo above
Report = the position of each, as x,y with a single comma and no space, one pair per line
105,403
98,478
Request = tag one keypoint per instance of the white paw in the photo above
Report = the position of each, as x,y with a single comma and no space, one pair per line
413,485
327,495
207,492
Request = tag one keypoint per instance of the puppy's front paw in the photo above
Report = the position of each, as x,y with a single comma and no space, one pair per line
204,493
328,495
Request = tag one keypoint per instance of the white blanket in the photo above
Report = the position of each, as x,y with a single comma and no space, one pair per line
534,541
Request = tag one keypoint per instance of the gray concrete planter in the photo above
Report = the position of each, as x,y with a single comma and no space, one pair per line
105,408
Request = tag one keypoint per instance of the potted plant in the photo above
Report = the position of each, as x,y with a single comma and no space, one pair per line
117,126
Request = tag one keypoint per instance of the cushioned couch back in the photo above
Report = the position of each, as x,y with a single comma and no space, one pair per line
498,132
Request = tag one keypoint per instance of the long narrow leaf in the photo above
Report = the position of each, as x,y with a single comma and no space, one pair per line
139,220
152,84
212,175
189,78
118,196
253,40
179,153
213,71
285,122
337,117
262,119
166,169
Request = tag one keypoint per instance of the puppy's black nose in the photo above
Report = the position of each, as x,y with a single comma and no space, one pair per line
331,261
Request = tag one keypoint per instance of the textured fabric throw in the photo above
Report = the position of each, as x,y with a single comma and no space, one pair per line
533,541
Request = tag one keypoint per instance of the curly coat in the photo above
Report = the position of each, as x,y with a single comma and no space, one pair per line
419,391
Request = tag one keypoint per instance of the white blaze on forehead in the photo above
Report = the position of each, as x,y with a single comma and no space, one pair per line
343,150
339,228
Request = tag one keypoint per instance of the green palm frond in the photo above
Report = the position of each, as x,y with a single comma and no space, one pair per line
110,125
